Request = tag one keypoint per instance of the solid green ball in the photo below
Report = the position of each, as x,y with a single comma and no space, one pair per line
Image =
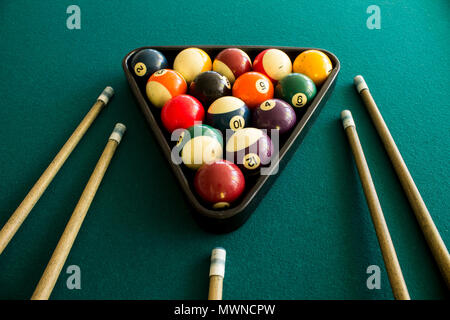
296,89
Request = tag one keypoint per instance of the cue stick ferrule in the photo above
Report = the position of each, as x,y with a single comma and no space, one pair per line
118,132
347,119
218,257
216,273
360,83
106,95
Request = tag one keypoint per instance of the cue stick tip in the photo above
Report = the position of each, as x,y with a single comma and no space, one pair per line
118,132
106,95
218,257
360,83
347,119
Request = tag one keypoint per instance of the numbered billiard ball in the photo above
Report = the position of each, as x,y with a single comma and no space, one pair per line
274,114
181,112
297,89
145,62
232,63
315,64
200,144
273,63
228,113
250,149
219,183
209,86
190,62
163,85
253,88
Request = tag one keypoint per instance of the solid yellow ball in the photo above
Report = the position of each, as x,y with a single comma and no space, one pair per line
314,64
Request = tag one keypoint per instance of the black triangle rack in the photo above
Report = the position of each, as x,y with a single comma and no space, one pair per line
221,221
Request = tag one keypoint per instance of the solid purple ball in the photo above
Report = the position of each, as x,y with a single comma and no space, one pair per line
274,114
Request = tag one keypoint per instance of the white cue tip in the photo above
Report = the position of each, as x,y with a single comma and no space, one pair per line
218,257
118,132
106,95
360,83
347,119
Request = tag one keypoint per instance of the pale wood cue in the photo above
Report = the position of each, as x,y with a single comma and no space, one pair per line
20,214
216,273
393,269
215,288
56,263
431,233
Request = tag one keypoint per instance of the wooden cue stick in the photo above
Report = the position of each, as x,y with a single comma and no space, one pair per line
216,273
431,233
18,217
56,263
393,269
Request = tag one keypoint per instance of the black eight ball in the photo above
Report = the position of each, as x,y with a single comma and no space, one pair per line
209,86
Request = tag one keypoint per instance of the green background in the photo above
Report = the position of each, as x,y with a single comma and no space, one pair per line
310,238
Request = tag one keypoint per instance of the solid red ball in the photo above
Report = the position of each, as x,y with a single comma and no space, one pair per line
182,112
219,183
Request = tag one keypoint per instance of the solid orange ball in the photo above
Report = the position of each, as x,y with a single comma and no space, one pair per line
314,64
253,88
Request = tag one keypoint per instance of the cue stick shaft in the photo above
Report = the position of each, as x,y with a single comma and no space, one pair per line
393,269
215,288
431,233
20,214
216,273
56,263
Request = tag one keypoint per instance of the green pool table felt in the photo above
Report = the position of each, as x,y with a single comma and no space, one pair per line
310,238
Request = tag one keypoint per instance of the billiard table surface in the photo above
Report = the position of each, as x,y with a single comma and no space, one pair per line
311,237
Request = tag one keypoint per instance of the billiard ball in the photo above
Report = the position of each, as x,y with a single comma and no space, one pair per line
200,144
190,62
163,85
315,64
209,86
250,149
145,62
181,112
253,88
219,183
273,63
232,63
274,114
297,89
228,113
